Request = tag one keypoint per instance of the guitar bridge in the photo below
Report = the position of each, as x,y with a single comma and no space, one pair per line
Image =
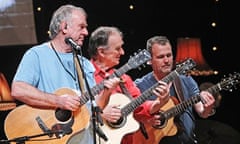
65,128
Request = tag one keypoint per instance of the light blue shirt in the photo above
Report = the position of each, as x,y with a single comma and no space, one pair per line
41,68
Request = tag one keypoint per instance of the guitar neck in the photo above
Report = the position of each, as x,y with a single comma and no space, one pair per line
182,68
134,62
127,109
100,86
179,108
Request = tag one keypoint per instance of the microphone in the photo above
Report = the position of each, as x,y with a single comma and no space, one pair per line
101,133
73,44
98,111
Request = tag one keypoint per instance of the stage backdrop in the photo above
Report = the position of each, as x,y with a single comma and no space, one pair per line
17,26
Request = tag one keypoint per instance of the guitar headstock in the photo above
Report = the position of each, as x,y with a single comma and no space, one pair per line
185,66
139,58
229,83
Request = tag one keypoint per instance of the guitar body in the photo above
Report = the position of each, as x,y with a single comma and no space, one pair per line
156,134
115,135
21,122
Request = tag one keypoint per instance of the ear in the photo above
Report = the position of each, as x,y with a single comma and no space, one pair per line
64,27
100,51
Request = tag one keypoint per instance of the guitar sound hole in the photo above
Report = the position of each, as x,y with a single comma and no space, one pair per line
162,119
120,123
63,115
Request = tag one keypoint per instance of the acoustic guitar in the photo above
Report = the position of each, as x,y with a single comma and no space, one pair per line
172,109
127,124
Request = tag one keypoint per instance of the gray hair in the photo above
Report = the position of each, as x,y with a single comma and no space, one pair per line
161,40
100,37
63,13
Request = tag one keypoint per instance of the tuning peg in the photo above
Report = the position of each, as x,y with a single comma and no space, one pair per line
139,68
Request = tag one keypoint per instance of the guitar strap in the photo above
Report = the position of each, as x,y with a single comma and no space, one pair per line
79,74
179,94
124,89
126,92
178,89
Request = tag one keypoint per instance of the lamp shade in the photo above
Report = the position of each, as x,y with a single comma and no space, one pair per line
191,48
6,100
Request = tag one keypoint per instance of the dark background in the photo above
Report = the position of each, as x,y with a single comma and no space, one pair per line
172,18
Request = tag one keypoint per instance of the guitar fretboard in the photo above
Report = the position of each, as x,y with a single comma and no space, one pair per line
100,86
180,108
134,62
146,94
181,69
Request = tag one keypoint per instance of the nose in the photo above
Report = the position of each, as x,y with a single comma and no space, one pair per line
166,59
85,31
121,51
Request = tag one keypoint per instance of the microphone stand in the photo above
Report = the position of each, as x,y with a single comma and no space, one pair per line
96,117
23,139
